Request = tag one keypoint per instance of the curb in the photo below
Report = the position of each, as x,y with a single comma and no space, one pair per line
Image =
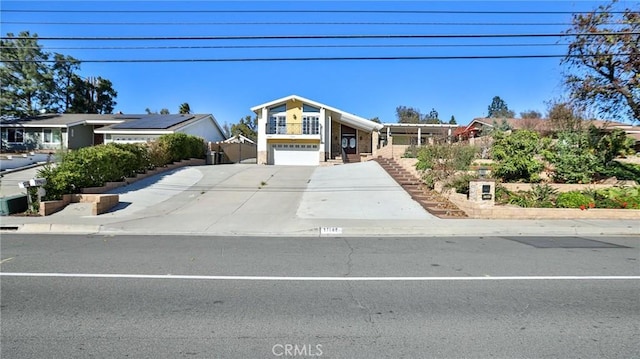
316,232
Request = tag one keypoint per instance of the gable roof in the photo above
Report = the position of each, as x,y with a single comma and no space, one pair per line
154,123
541,124
345,117
239,138
62,120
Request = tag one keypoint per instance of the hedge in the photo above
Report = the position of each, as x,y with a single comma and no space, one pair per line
113,162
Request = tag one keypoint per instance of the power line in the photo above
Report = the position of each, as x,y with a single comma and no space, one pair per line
287,23
307,11
280,46
357,58
313,37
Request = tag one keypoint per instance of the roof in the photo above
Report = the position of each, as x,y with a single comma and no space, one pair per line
154,123
62,120
346,117
544,125
239,138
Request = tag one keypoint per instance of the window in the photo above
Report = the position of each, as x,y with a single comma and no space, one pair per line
13,135
308,108
310,125
277,124
47,135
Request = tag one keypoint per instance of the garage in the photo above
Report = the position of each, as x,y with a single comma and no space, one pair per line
294,154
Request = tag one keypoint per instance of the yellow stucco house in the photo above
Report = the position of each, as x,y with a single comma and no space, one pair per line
294,130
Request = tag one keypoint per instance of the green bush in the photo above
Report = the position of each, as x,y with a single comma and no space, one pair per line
621,171
514,156
181,146
543,195
573,158
460,183
446,157
159,155
573,199
618,197
141,161
609,145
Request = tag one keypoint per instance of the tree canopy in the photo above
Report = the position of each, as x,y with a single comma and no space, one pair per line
413,115
499,109
530,114
32,83
184,108
603,61
248,127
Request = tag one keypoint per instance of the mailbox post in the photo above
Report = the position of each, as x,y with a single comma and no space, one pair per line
482,192
34,182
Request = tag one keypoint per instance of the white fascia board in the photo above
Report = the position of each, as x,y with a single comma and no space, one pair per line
103,122
37,126
130,132
437,125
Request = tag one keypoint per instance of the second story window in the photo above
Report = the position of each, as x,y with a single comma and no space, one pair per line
277,124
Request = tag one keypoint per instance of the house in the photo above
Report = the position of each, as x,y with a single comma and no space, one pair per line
416,133
145,128
294,130
239,138
73,131
543,126
53,131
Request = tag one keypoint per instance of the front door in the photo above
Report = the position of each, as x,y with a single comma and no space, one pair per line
349,142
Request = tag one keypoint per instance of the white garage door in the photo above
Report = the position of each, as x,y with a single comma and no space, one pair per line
294,154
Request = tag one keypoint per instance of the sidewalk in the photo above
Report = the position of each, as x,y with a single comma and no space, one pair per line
235,200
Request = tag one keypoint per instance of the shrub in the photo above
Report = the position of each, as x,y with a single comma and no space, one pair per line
618,197
93,167
460,183
181,146
573,199
543,195
446,157
573,158
621,171
141,161
609,145
514,156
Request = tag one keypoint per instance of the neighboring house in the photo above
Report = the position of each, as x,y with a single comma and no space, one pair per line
239,138
480,126
416,133
145,128
73,131
294,130
53,131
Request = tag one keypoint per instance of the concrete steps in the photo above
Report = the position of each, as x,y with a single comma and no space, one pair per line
432,201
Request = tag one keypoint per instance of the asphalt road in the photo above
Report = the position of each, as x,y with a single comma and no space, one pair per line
207,297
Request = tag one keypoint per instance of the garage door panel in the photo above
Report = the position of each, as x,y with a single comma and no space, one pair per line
295,154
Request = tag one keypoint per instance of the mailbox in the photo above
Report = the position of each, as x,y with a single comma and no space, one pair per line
36,182
24,184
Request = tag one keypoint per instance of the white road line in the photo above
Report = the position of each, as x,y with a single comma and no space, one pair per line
312,279
6,260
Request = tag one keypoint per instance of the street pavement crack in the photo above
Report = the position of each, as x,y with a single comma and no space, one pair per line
349,261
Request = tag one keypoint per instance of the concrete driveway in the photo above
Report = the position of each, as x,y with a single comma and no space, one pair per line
258,199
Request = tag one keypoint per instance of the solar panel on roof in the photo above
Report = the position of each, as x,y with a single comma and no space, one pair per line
157,122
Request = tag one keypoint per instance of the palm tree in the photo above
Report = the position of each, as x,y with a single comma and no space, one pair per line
184,108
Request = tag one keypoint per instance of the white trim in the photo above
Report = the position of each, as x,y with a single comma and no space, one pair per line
132,132
33,126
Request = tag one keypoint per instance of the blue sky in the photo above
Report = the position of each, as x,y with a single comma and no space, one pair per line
369,88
